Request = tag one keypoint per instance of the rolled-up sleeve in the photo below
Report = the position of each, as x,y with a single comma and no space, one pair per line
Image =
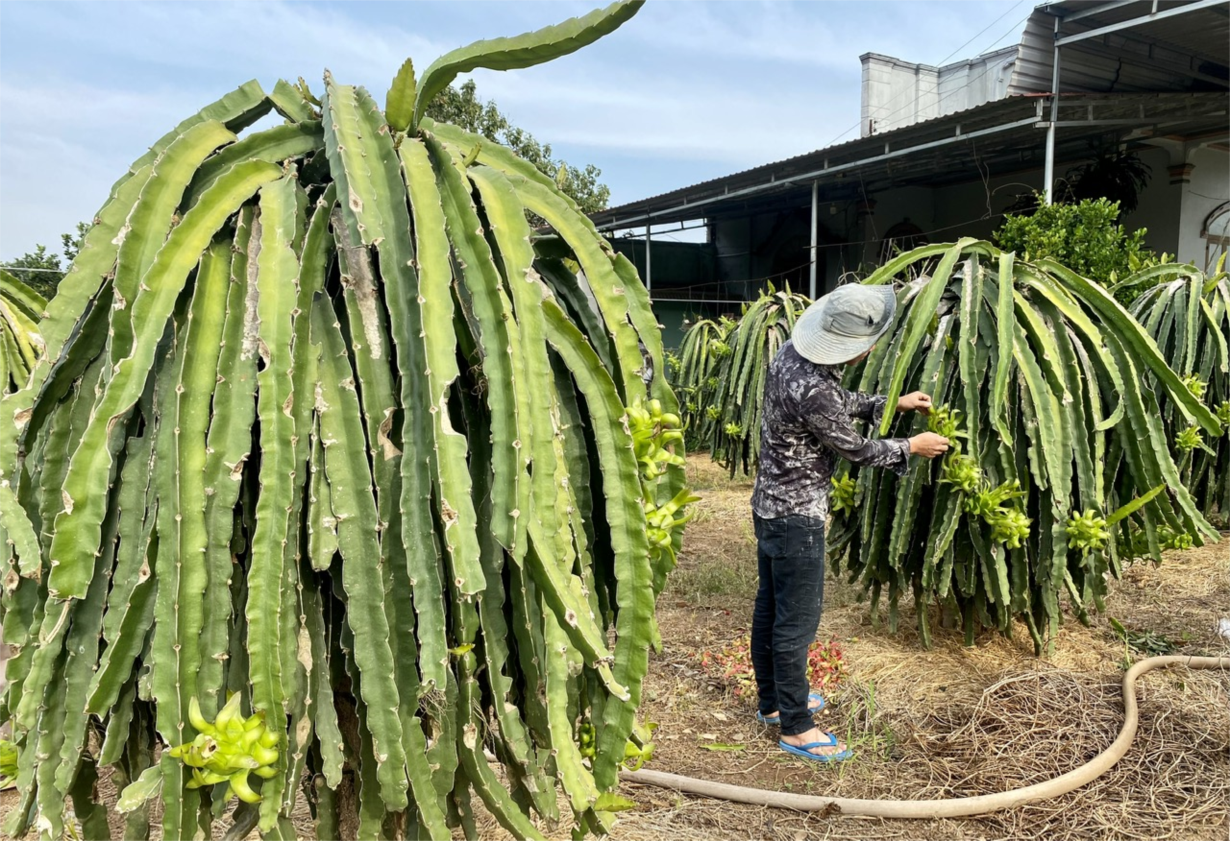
833,426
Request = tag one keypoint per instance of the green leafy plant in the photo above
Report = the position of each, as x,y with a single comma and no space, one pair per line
1045,368
844,495
1149,643
946,421
1113,175
700,356
41,269
655,436
1084,236
1087,531
1170,539
228,749
1223,415
1195,385
1188,439
8,764
1008,524
324,424
962,472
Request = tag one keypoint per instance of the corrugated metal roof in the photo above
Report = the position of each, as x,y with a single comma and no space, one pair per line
947,149
781,172
1184,52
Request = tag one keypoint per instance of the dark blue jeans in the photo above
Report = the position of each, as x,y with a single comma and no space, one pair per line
790,551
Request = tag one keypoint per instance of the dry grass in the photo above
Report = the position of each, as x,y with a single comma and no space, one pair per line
952,721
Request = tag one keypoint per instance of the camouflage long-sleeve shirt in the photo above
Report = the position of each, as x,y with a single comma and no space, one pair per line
807,425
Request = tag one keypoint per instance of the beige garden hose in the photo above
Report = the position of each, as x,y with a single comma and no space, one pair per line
949,807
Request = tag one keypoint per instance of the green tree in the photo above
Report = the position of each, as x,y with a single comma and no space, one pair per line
1084,236
462,107
42,269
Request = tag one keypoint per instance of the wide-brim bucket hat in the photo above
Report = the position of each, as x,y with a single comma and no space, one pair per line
844,323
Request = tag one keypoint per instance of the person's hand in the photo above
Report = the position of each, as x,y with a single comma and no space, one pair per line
915,401
928,445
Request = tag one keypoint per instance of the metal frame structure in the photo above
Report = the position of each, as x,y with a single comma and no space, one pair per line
1154,14
1020,113
812,175
912,153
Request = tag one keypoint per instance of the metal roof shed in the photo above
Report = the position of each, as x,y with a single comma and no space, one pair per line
1136,74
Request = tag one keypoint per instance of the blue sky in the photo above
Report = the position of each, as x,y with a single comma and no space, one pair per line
683,92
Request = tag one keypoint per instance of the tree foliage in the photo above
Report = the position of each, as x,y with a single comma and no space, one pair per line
1112,175
1085,237
462,107
42,269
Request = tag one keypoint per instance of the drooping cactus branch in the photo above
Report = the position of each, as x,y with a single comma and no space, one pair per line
327,441
1062,466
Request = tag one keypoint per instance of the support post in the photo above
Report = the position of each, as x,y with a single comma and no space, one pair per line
648,261
1049,170
815,225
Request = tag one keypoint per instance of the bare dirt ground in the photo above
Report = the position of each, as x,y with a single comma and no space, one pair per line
952,721
949,722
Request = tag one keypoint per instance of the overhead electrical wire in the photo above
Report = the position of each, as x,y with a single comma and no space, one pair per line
940,63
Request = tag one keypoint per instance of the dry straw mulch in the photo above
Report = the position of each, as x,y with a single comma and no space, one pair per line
952,721
949,722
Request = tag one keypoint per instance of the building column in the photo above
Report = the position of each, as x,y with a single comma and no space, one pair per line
648,261
815,233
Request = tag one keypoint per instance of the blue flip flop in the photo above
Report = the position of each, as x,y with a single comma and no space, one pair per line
776,720
805,750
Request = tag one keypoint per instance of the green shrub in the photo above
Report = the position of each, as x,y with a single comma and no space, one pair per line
1085,237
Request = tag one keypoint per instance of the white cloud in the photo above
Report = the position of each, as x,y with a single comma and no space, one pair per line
680,119
86,87
62,146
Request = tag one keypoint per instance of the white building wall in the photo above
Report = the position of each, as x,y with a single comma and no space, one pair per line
1209,187
1158,209
898,93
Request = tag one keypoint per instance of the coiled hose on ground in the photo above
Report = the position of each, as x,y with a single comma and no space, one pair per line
948,807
